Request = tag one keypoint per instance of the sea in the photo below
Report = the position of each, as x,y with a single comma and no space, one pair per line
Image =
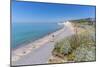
23,33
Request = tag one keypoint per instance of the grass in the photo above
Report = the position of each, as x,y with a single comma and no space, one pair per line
78,47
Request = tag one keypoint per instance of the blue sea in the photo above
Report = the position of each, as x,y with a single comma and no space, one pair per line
23,33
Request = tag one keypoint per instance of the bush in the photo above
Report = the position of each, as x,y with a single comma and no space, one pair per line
62,47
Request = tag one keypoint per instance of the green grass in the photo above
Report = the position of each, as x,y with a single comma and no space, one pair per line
78,47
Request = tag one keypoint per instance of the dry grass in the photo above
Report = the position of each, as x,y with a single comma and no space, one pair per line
78,47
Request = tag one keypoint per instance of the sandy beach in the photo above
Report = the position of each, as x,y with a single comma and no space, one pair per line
33,51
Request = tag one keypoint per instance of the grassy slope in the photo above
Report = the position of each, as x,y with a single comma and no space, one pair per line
78,47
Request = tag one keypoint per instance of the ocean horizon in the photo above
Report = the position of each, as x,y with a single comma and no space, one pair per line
23,33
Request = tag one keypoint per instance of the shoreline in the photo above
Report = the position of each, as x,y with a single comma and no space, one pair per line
31,41
26,49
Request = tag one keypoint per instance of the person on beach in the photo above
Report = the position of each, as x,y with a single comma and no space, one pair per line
53,38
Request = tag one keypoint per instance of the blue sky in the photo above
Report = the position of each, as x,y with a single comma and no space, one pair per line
34,12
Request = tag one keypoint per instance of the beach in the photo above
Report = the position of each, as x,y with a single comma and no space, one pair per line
39,51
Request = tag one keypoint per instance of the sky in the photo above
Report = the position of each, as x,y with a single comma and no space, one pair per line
35,12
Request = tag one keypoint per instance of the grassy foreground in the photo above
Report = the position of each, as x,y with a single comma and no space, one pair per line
78,47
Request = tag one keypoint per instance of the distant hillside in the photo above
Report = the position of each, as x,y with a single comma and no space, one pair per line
90,20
